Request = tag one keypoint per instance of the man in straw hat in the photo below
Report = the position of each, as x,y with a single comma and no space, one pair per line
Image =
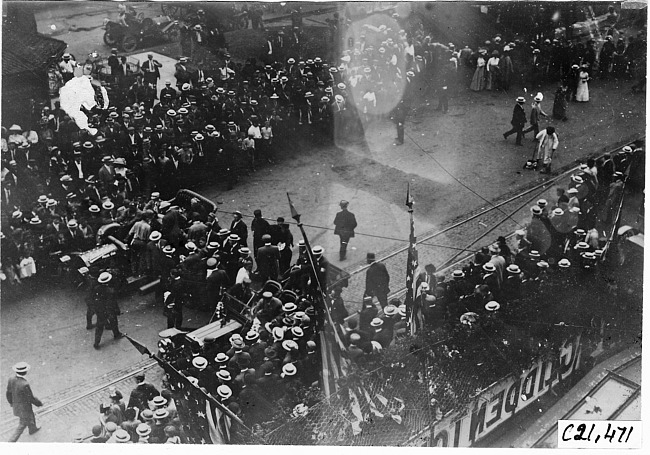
518,121
106,308
21,399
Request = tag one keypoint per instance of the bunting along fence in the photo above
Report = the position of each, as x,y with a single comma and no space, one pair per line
390,400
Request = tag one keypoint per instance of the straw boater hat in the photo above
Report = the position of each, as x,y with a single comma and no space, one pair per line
224,392
104,278
21,368
122,436
492,306
143,430
514,269
489,267
159,401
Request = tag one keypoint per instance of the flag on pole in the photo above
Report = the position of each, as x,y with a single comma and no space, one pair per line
409,197
294,213
205,420
218,424
142,349
412,267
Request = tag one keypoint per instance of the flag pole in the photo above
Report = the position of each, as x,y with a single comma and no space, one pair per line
410,266
322,301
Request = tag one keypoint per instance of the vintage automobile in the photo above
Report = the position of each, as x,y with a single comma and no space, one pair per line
142,30
225,15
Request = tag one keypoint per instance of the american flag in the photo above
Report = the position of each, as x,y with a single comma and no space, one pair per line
204,419
412,266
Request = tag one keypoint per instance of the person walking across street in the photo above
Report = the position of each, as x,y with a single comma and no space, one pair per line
518,121
377,280
106,308
535,113
21,399
345,223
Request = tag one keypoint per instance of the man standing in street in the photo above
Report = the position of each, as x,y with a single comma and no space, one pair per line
260,227
399,117
107,309
21,399
268,260
151,71
345,223
377,280
518,121
142,394
239,227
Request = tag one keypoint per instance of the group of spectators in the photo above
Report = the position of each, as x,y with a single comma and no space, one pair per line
501,274
149,417
272,366
62,183
496,64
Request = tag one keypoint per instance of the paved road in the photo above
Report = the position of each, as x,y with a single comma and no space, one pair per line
457,164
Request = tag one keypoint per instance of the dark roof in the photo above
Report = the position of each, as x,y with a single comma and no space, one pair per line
27,52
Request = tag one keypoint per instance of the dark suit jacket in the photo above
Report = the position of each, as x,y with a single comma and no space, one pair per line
241,230
21,398
268,261
518,116
345,223
377,278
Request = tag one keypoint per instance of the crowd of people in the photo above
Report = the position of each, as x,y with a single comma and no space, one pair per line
148,417
562,237
61,184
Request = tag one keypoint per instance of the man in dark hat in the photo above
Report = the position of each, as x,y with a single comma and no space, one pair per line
518,121
377,280
142,394
345,223
259,226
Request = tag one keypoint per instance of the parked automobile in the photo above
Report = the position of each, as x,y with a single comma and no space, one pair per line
142,30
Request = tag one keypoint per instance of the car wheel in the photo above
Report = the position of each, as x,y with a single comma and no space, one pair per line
169,10
109,39
129,43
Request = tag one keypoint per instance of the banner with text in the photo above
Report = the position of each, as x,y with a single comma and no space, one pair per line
504,399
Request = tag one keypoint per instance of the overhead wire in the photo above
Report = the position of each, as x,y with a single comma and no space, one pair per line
460,182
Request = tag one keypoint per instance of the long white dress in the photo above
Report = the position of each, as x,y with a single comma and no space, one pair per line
582,94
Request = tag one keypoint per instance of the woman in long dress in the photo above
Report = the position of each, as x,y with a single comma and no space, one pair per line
492,68
582,95
478,81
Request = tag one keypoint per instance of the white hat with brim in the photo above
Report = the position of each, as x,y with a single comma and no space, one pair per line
224,392
21,367
199,362
122,436
143,430
104,278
